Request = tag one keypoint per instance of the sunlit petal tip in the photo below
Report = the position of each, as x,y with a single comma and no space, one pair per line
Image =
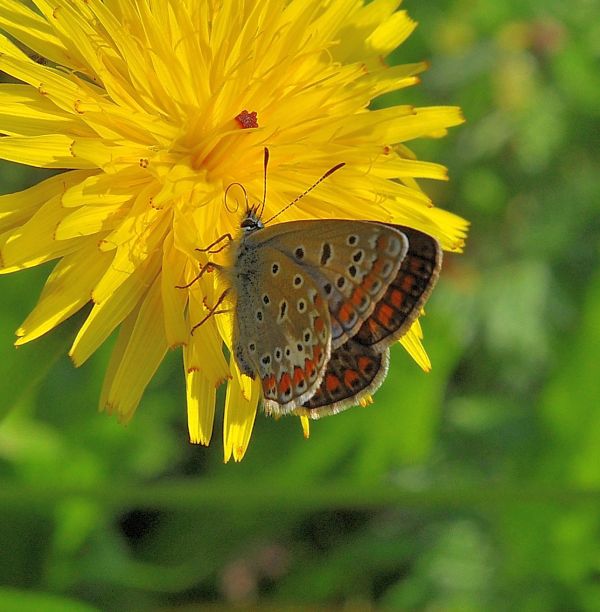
458,246
222,381
239,453
305,422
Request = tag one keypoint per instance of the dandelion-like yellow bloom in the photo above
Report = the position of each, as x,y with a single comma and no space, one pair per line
153,108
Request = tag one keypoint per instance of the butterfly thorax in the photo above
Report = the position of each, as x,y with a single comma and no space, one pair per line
243,278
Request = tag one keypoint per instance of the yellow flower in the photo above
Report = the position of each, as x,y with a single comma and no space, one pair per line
153,108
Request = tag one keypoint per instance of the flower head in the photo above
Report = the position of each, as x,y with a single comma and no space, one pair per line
153,109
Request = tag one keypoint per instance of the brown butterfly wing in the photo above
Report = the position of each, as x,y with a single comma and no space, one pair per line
352,262
358,367
406,295
353,372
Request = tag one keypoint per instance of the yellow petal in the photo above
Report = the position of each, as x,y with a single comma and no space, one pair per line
135,249
88,220
201,395
107,315
174,299
34,31
93,153
62,91
305,422
106,189
52,151
67,289
393,78
423,122
145,348
205,351
391,33
34,242
16,208
240,413
448,228
411,341
392,166
26,112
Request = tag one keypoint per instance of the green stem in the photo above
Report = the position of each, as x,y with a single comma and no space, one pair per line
194,493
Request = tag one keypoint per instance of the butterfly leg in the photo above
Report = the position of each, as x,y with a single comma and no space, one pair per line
208,267
210,247
213,311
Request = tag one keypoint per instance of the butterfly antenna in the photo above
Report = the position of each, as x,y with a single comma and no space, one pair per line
237,205
307,191
265,164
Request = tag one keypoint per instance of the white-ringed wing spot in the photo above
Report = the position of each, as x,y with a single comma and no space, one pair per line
394,246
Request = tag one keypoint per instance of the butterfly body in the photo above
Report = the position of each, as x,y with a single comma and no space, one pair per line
318,303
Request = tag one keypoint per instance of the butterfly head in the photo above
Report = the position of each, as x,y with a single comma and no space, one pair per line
251,221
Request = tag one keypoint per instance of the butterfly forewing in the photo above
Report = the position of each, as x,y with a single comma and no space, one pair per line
352,263
282,329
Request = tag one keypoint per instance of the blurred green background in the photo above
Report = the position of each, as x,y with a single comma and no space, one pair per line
475,487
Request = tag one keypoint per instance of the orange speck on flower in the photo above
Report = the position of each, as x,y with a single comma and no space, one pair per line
247,120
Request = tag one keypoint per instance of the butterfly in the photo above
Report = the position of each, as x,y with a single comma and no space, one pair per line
319,302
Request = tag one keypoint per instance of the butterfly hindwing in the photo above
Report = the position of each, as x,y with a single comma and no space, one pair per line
405,296
353,372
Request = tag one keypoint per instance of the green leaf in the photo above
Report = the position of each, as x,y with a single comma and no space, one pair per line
27,601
